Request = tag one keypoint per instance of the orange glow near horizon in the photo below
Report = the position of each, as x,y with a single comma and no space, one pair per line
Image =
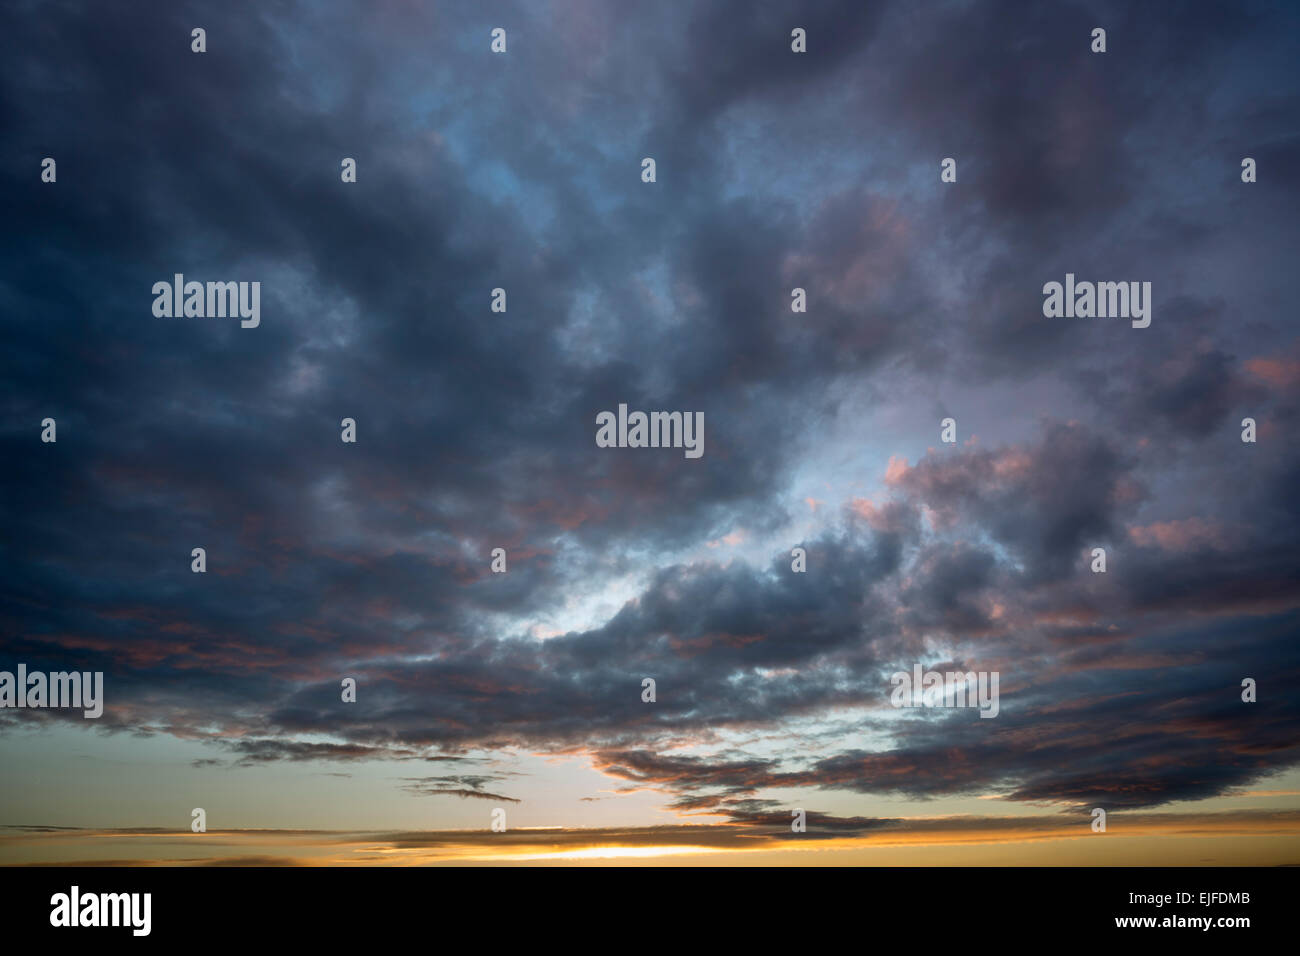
1240,838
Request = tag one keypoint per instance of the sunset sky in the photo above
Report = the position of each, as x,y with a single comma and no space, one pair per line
476,430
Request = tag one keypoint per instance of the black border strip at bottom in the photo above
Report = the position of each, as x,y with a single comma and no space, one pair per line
659,905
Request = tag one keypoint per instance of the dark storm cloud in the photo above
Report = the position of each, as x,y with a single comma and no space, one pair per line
476,429
708,634
265,751
1046,504
947,588
1107,734
1088,729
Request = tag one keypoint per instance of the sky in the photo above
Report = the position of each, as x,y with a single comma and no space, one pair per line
475,429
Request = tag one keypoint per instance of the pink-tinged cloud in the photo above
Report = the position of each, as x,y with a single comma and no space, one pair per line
1278,372
896,471
1186,534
